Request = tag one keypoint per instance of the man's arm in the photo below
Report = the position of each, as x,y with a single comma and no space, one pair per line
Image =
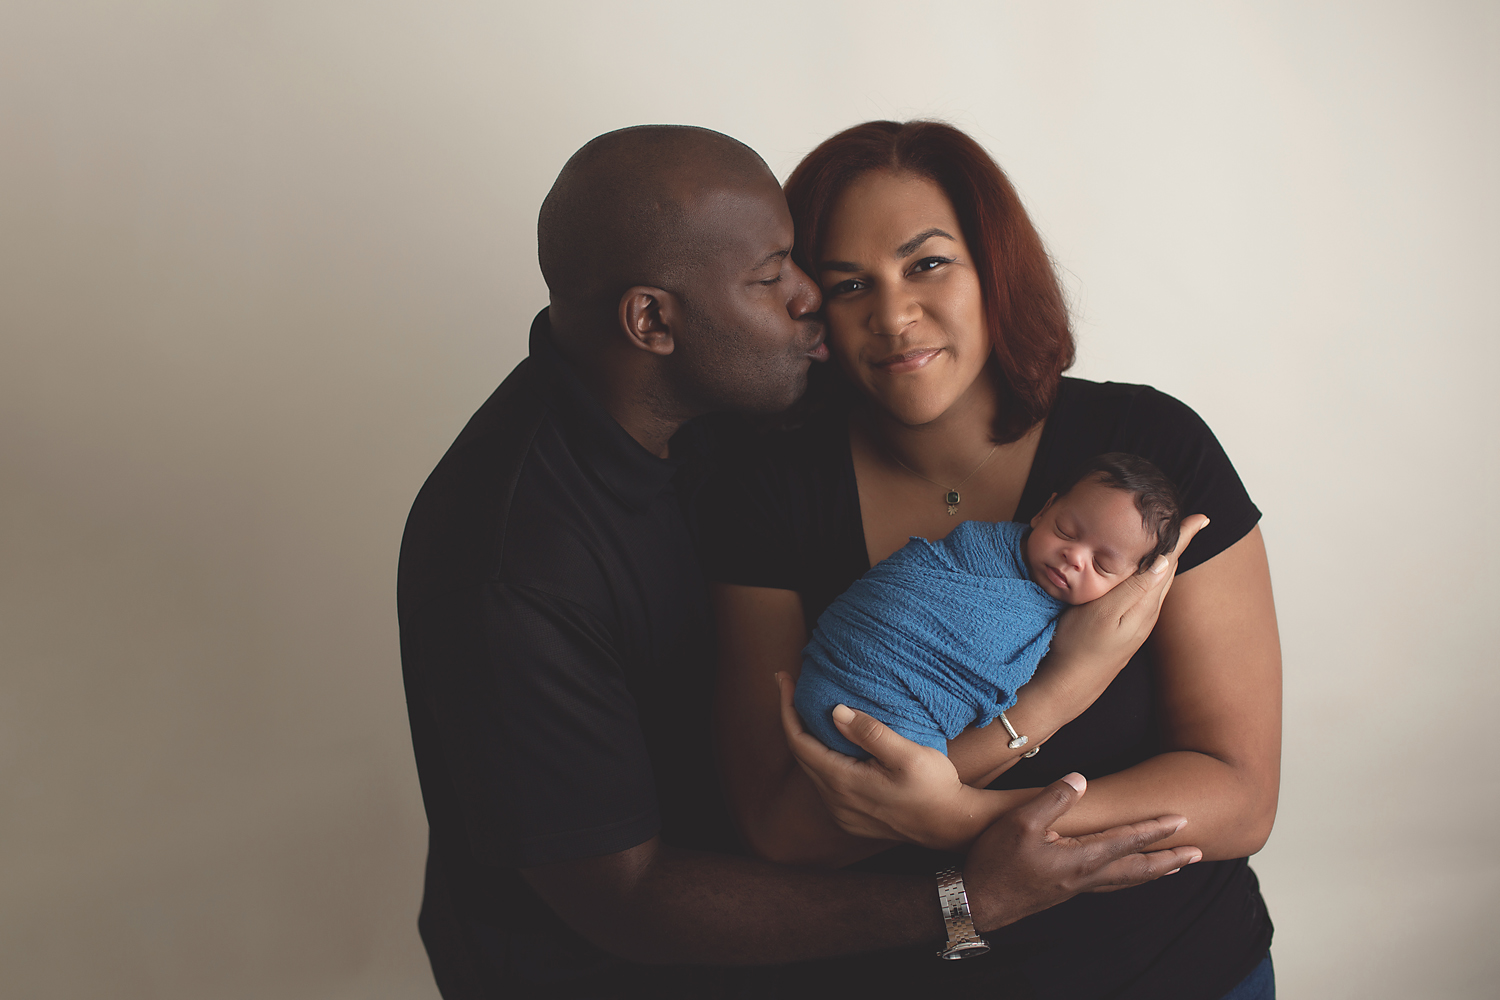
657,904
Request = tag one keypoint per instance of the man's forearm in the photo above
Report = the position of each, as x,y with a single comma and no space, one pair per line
656,904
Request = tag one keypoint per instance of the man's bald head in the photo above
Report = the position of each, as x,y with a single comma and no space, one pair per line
622,211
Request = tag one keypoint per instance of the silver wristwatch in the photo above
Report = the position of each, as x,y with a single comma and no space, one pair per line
963,940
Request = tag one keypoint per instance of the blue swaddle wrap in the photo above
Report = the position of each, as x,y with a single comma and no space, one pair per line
933,640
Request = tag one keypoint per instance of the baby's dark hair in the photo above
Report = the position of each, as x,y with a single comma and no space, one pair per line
1155,496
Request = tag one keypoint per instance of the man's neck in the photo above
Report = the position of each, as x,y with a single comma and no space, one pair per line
634,409
625,386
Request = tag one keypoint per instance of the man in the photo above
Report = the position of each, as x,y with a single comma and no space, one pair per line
556,638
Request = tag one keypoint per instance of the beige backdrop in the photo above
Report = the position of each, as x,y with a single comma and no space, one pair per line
260,260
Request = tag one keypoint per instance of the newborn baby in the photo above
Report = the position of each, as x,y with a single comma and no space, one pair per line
939,636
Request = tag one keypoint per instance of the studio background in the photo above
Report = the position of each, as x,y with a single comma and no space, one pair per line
259,261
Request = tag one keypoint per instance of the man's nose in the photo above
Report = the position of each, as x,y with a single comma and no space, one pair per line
807,297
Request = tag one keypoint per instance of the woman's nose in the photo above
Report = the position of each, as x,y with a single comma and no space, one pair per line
895,310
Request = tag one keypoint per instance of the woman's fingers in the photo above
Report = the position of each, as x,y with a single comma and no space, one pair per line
814,758
1138,599
890,748
1191,525
898,794
791,722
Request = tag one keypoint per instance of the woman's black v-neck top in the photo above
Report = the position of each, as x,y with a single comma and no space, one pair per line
786,515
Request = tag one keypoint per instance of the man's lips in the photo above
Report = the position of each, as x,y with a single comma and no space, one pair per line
1057,578
908,361
818,349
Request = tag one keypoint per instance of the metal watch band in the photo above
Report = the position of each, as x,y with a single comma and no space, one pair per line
963,940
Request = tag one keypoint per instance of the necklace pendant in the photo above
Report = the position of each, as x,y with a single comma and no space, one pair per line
952,500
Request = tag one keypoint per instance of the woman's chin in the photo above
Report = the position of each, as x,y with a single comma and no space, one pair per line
911,409
919,401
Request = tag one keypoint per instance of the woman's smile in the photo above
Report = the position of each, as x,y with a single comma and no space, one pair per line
907,361
902,298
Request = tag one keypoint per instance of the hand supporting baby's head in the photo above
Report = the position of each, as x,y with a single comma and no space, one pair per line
1117,515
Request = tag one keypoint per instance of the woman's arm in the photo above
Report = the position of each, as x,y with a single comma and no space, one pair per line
1218,659
780,811
1219,677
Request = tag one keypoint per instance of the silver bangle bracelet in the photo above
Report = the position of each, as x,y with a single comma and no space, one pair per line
1017,741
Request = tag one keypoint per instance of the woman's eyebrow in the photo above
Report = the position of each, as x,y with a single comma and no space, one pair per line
910,246
905,250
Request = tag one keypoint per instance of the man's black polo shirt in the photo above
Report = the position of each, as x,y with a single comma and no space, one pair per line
556,643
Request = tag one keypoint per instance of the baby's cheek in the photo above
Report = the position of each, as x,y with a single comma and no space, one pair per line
1094,590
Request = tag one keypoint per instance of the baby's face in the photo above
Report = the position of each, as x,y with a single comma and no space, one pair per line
1085,544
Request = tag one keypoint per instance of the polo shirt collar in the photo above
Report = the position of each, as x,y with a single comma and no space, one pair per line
628,471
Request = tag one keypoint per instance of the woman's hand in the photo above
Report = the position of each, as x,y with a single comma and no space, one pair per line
1097,639
911,793
1092,644
1218,701
904,792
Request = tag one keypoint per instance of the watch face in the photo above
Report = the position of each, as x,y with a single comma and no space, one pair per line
968,949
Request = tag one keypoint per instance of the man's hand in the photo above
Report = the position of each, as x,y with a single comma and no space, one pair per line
1020,866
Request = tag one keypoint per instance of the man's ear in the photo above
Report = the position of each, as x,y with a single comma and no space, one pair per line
1039,513
649,318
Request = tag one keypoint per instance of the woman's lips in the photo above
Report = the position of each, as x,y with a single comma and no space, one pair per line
909,361
1058,580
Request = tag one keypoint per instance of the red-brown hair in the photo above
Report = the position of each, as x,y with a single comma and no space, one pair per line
1023,303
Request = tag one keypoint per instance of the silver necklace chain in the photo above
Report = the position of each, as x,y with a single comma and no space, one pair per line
950,493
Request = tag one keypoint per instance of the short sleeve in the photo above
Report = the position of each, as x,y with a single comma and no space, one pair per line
1169,433
539,730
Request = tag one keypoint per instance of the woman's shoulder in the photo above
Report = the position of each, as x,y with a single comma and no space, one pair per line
1122,416
1090,418
1121,403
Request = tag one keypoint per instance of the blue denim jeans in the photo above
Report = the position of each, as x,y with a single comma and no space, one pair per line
1259,985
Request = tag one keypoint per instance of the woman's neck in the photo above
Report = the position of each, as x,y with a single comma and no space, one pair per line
944,450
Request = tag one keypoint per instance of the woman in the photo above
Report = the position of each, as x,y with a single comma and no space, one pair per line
945,403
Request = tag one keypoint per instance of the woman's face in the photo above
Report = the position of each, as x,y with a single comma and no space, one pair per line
901,296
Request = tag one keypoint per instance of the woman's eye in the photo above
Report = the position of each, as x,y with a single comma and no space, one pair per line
843,287
929,263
